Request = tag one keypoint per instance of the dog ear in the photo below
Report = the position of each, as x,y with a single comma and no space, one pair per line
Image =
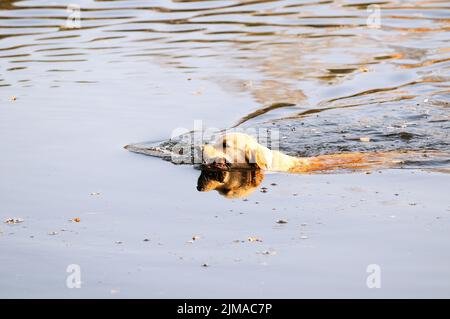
257,157
261,159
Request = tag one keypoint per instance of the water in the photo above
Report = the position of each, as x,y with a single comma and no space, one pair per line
310,66
325,71
136,70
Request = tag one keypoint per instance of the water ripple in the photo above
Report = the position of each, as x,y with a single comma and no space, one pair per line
297,60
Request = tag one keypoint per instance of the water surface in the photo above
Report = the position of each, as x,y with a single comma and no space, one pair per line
136,70
314,64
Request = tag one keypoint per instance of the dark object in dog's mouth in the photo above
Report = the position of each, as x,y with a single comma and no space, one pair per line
227,167
217,166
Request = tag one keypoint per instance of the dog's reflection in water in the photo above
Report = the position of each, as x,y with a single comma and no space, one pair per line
230,183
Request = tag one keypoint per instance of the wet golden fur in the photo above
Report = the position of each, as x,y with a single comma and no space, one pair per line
238,150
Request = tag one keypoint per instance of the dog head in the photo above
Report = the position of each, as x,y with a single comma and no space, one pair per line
231,184
236,150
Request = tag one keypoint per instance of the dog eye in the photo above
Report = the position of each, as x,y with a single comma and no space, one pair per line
224,144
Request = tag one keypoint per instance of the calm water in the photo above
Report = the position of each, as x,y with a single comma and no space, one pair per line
136,70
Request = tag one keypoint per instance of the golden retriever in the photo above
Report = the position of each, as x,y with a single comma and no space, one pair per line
242,151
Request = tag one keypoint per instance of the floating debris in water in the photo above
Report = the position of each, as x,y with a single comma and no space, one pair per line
254,239
199,91
195,237
248,83
205,265
53,233
13,98
14,220
76,219
264,189
118,242
282,221
274,184
114,291
94,194
146,239
364,139
268,252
